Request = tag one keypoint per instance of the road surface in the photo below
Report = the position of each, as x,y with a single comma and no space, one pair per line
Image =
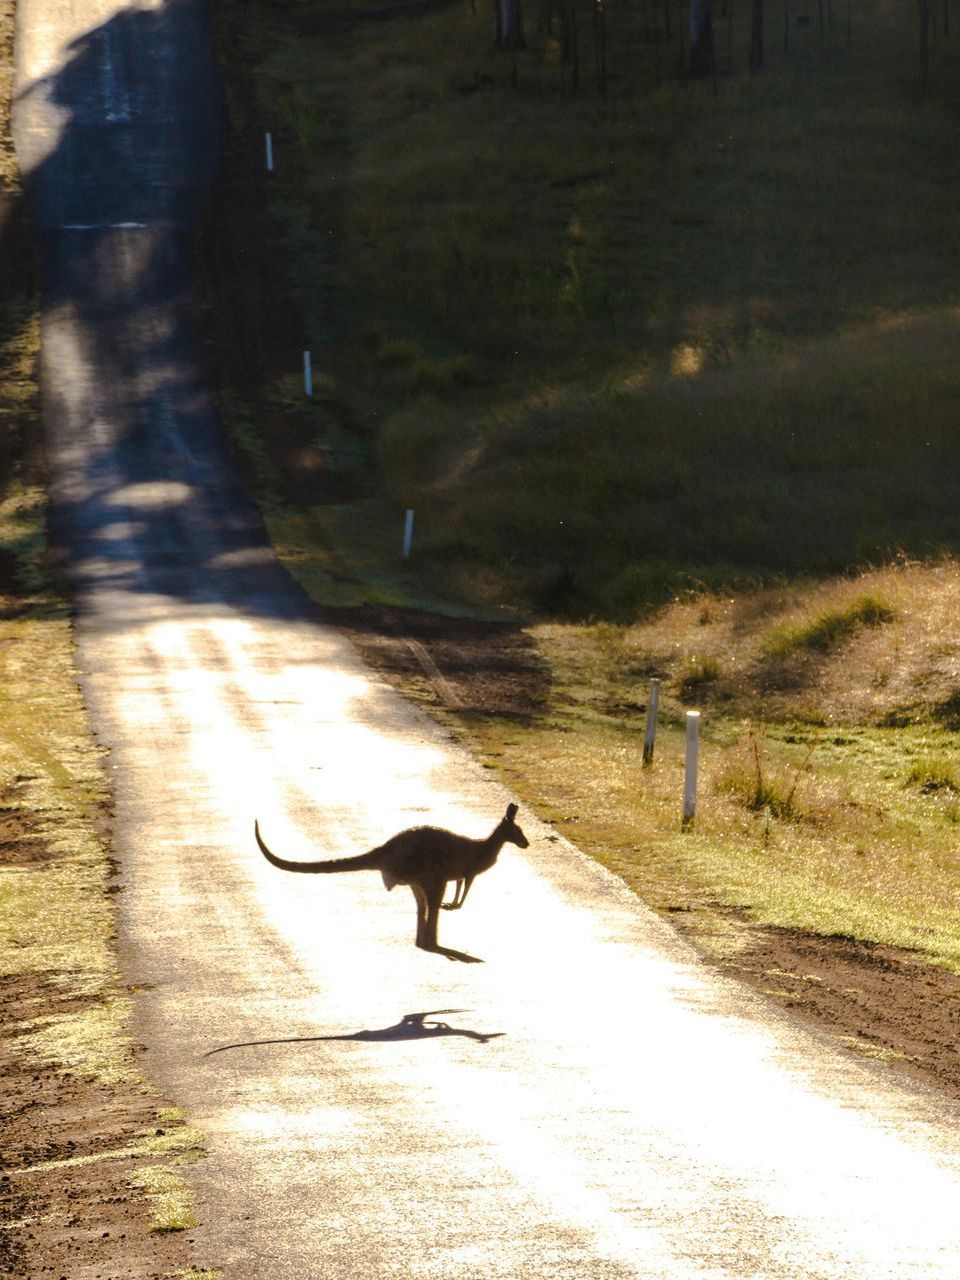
588,1102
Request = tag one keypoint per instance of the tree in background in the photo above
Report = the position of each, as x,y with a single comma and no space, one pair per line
755,62
701,38
600,42
926,13
508,24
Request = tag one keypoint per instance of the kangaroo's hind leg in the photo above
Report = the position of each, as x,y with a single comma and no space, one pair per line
422,912
432,897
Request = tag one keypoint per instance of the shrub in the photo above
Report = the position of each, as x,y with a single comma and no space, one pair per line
828,630
398,352
440,377
933,773
759,790
700,673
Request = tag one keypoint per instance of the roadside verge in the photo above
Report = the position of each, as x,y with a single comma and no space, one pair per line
89,1180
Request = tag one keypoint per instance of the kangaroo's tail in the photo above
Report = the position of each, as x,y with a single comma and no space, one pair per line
363,862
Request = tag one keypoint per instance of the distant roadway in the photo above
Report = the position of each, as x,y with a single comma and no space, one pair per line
589,1102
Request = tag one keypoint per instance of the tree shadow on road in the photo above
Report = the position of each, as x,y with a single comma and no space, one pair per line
412,1026
119,146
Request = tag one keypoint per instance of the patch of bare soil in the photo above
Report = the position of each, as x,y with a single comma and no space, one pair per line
21,841
885,1004
67,1208
469,665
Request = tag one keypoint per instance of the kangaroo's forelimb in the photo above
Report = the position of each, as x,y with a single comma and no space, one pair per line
460,890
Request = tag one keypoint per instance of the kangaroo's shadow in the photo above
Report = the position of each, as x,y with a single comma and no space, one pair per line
412,1026
451,954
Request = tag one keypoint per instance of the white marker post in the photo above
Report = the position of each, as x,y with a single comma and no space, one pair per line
268,140
408,533
690,767
307,374
651,735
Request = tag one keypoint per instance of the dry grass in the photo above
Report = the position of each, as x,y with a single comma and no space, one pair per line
9,170
833,844
170,1198
829,629
815,816
901,666
55,916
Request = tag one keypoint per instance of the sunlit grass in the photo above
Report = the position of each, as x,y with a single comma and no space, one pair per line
934,773
827,629
832,846
811,814
56,918
9,169
170,1198
182,1139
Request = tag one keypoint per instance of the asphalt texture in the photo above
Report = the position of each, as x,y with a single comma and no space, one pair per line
588,1102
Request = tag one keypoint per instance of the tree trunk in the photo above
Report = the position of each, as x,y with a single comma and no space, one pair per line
508,24
701,38
570,42
756,38
600,42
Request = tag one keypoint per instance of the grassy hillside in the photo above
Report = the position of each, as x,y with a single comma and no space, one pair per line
688,332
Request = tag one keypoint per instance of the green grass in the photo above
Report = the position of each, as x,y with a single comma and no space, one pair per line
698,675
613,348
933,774
828,629
763,790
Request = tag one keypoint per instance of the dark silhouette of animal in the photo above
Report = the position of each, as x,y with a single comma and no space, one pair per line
427,859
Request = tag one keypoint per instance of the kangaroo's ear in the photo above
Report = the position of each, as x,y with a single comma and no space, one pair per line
511,812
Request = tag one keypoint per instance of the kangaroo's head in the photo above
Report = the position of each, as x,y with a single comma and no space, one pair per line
509,830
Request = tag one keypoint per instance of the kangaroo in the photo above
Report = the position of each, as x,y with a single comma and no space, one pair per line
426,859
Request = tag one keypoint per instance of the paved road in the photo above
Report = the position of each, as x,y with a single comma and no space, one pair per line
589,1102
